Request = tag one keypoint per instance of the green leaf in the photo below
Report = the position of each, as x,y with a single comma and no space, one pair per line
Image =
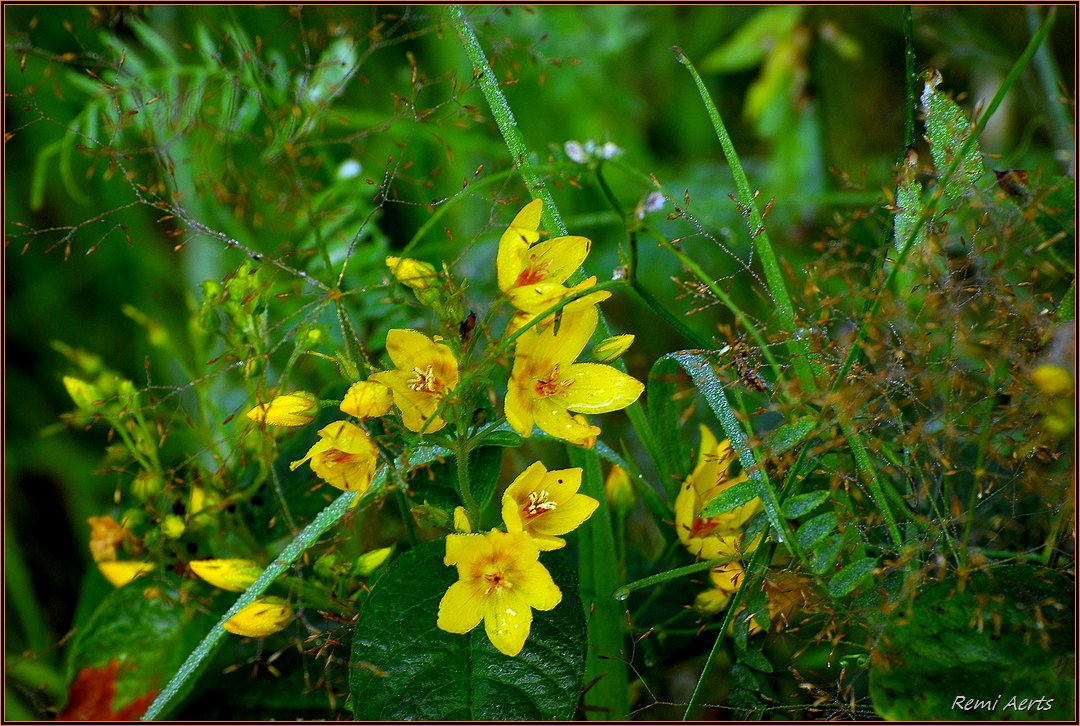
814,530
404,667
803,503
732,497
824,555
947,128
147,638
961,650
909,207
663,415
756,660
849,578
786,436
502,436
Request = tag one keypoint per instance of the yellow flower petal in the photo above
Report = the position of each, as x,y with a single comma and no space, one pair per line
234,575
515,242
120,573
461,520
611,348
507,622
264,617
600,388
461,608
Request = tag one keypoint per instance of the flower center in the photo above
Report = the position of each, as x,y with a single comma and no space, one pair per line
538,504
552,386
423,381
337,456
496,580
703,527
534,272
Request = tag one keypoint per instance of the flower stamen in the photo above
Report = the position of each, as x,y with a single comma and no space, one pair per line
538,504
552,386
423,381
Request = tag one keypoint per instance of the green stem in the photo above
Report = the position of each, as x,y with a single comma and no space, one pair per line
464,483
624,592
909,78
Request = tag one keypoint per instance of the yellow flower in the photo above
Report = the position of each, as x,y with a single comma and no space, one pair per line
233,575
120,573
425,372
726,579
291,409
545,503
264,617
546,384
461,520
719,536
1053,380
500,581
531,275
344,457
368,399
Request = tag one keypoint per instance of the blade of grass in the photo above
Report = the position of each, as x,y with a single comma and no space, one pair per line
801,355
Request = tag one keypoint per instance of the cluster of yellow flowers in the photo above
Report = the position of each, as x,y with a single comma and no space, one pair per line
501,577
722,536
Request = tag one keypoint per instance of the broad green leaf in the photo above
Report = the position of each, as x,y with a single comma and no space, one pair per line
947,128
404,667
732,497
799,505
814,530
976,648
132,644
850,577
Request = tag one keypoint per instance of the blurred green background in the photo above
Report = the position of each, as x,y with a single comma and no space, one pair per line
260,114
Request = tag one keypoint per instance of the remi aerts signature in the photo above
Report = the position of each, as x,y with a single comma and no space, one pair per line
1015,703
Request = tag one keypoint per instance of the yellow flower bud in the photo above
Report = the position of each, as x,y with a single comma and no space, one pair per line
291,409
173,526
461,521
1051,379
368,399
371,561
233,575
82,393
611,348
121,573
264,617
412,273
618,491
